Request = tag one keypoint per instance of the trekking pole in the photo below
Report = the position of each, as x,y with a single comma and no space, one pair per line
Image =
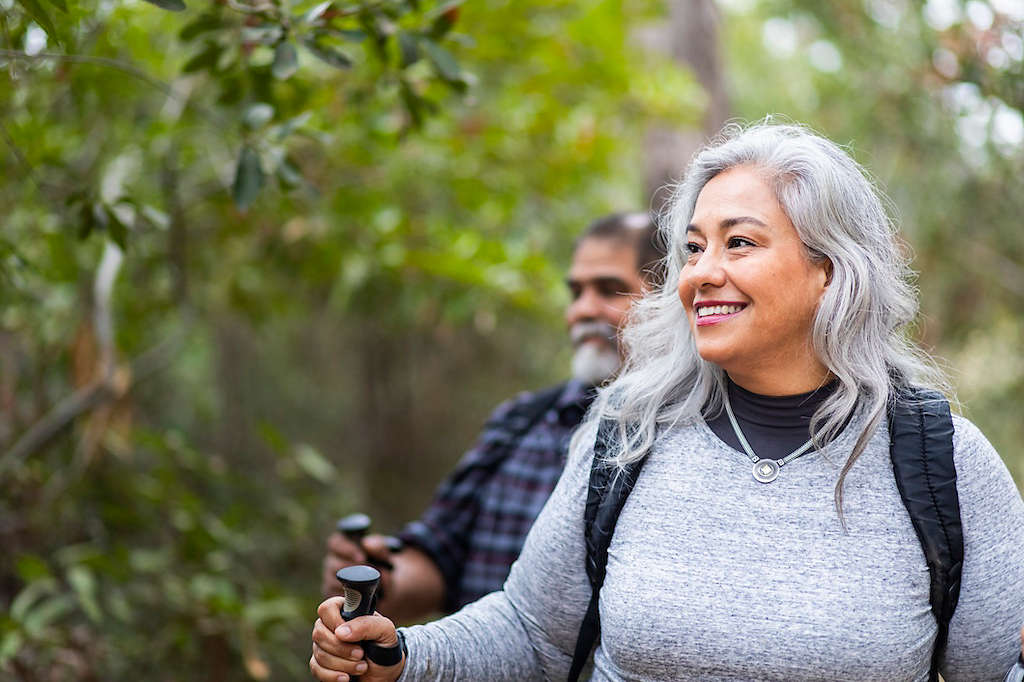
355,526
360,583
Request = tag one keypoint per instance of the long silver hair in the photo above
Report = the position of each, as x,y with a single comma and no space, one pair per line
859,330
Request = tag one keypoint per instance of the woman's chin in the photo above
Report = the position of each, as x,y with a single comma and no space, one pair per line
714,355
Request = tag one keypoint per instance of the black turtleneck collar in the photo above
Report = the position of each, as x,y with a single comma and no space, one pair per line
773,425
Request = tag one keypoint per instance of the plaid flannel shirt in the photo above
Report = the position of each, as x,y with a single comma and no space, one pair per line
476,525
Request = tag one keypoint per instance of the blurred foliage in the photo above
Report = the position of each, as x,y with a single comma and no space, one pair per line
263,264
253,257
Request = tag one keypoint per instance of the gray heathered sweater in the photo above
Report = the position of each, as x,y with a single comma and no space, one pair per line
713,576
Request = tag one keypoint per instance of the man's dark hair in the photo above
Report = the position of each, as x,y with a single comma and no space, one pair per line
638,231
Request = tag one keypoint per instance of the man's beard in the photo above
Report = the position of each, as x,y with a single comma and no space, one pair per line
594,362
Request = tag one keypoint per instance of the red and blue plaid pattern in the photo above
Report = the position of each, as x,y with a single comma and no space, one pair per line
476,524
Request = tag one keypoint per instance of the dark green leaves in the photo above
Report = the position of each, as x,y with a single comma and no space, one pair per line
202,24
446,17
409,50
41,17
172,5
205,60
248,178
116,228
314,14
327,54
286,61
288,174
257,115
442,60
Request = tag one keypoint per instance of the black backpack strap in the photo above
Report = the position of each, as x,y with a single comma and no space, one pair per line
606,495
529,412
921,447
522,416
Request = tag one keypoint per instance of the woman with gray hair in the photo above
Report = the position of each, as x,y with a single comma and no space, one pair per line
767,536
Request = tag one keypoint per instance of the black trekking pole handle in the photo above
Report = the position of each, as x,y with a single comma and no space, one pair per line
360,583
355,526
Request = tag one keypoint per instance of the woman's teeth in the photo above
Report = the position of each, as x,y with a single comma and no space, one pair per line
706,310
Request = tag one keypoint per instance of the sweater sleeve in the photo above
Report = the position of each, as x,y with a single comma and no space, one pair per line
984,635
528,629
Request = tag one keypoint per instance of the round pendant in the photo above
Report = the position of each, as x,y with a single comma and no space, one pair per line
766,470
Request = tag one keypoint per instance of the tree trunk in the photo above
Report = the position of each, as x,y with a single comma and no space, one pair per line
692,41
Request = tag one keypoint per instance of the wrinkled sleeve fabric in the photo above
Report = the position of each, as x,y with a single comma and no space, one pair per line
526,631
984,635
443,531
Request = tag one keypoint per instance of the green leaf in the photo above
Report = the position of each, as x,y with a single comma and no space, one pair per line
207,58
272,436
172,5
202,24
289,174
31,567
257,115
62,5
259,613
447,15
353,34
442,60
268,34
328,55
149,560
41,17
409,50
315,13
155,217
86,220
99,214
83,582
248,178
9,646
28,596
286,61
314,464
414,104
291,125
48,611
116,228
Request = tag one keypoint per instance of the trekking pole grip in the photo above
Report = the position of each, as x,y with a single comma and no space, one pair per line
360,583
355,527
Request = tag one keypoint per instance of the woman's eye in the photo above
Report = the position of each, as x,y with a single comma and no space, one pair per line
693,247
735,242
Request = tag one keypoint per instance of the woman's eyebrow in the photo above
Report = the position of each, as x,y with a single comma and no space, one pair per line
730,222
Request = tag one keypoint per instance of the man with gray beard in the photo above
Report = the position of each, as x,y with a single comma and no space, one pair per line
466,540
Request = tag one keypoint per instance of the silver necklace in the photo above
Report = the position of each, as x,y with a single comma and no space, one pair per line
765,470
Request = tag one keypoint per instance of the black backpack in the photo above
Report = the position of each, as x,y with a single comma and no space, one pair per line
921,448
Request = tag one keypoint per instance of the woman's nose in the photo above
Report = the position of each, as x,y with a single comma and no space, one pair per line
706,271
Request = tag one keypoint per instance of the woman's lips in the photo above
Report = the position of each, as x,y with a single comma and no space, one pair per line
713,312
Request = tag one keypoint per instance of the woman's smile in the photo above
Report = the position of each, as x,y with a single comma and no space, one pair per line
713,312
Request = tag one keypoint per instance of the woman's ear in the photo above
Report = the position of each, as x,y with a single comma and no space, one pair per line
827,268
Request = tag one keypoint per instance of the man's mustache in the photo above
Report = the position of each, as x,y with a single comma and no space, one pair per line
581,331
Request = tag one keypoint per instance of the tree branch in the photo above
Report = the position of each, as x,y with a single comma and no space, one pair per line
119,65
47,428
16,150
108,62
